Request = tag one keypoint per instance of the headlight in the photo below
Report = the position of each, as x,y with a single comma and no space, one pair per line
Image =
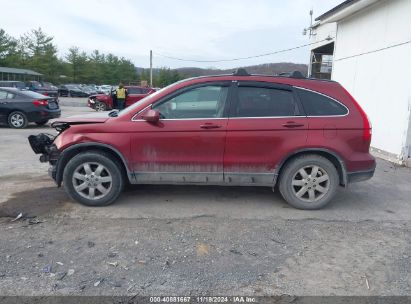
58,141
91,101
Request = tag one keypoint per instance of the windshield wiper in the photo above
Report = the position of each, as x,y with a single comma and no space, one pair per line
113,113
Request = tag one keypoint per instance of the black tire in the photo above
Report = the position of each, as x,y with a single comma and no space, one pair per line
42,123
291,174
17,120
100,106
113,168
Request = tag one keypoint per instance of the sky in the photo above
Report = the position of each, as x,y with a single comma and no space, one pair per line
192,29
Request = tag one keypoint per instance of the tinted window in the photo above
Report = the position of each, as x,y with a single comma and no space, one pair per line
203,102
264,102
319,105
12,84
134,91
32,94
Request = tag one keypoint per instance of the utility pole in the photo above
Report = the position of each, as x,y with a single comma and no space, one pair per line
151,68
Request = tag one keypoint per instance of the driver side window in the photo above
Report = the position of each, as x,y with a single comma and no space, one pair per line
202,102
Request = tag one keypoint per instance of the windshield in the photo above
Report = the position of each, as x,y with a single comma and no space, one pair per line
136,105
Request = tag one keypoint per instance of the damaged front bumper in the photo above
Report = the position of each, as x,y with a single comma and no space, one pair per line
43,144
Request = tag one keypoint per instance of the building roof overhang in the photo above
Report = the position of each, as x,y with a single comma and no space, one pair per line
344,10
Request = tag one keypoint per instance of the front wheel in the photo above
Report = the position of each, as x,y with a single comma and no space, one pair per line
93,179
309,182
100,106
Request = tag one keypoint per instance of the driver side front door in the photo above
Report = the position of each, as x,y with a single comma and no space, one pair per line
187,144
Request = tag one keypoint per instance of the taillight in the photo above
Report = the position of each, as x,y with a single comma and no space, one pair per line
46,94
40,102
367,128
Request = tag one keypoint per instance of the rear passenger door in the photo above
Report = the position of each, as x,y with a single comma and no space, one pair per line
266,123
134,95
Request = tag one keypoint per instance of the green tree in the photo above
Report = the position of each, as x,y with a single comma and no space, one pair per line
78,61
36,50
8,47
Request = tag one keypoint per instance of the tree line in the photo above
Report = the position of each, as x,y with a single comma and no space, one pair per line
37,51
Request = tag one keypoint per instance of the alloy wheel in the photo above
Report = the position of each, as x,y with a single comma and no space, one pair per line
92,180
310,183
17,120
100,107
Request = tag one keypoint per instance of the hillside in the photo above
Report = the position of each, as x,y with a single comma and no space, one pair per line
266,68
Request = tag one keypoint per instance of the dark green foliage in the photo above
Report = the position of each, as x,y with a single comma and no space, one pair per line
36,51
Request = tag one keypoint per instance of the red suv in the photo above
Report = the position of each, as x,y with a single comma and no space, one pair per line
103,102
306,136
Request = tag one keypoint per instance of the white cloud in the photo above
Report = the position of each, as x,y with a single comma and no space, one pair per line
206,29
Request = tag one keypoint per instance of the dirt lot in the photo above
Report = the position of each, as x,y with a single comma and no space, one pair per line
198,240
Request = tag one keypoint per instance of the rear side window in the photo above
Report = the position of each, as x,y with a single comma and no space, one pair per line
134,91
319,105
31,94
6,95
264,102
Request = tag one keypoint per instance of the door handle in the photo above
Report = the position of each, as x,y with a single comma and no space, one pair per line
4,102
209,126
292,124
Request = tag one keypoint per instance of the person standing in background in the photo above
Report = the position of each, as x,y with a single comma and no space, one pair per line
121,93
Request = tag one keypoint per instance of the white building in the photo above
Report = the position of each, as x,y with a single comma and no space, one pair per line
368,50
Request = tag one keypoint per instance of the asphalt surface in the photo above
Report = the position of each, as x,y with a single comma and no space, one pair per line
191,240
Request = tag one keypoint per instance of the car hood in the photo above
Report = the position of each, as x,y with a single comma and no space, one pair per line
61,124
84,118
100,96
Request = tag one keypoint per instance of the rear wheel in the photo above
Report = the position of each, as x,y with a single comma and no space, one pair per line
17,120
93,179
100,106
309,182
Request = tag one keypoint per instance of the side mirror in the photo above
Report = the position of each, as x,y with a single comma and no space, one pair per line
152,116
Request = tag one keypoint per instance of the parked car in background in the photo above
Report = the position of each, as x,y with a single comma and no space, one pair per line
71,90
13,84
103,89
45,88
90,90
20,107
308,136
103,102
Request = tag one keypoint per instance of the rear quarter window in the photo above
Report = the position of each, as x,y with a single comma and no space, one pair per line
316,104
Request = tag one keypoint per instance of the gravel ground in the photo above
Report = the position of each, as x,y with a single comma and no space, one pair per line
192,240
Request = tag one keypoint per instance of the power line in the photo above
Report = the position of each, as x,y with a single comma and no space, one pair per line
243,58
374,51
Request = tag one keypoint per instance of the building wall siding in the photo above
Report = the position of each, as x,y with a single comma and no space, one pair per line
379,80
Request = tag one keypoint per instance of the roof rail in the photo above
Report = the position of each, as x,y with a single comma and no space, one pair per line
241,72
294,74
